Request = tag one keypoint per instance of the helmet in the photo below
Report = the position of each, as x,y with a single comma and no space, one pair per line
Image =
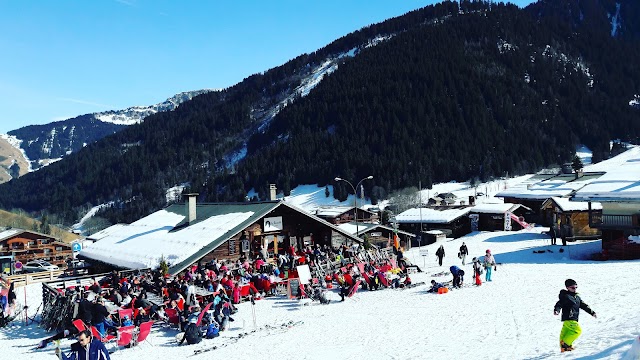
570,282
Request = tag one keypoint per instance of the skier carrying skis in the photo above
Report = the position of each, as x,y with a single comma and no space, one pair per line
570,303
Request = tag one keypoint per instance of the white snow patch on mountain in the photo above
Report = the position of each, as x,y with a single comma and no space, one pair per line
174,194
89,215
585,154
615,21
15,142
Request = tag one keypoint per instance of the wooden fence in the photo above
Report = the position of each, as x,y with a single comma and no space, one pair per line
37,277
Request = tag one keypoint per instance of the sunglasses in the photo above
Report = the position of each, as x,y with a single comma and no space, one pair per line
572,287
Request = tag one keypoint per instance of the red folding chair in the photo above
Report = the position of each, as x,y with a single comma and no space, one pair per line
172,316
125,312
383,279
144,331
104,339
354,288
125,336
204,311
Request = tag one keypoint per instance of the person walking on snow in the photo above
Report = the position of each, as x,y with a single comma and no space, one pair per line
570,303
463,252
489,264
440,254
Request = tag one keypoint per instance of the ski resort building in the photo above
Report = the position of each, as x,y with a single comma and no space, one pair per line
379,235
185,234
493,217
345,214
25,245
619,219
451,220
571,218
537,189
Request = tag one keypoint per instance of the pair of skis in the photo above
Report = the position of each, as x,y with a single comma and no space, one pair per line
232,340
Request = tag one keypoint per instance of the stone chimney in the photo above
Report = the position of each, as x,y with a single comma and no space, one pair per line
191,206
272,192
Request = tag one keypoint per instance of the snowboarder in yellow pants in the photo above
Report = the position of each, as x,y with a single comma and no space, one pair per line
569,303
571,330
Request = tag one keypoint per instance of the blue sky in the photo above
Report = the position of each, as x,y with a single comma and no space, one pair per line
63,58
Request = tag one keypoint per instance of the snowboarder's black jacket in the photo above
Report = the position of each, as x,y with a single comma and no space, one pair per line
570,304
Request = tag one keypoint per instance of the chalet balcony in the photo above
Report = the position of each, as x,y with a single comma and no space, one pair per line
605,221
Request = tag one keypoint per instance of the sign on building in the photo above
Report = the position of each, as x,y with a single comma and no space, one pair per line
507,221
273,223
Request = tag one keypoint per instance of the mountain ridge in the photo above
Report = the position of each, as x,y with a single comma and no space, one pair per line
455,92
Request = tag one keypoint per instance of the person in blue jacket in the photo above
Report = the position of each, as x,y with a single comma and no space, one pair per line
458,276
87,348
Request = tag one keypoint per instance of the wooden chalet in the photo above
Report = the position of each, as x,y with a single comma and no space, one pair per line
570,218
191,233
619,220
379,235
345,214
27,245
491,217
537,189
452,220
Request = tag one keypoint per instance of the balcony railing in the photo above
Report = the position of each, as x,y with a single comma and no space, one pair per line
599,220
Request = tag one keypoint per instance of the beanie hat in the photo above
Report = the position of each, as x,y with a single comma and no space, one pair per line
488,251
570,282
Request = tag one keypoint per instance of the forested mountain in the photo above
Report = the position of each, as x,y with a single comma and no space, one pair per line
44,143
448,92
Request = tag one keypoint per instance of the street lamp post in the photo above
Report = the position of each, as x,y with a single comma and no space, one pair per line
355,196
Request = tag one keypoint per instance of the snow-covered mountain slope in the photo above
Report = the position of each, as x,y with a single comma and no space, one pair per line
135,114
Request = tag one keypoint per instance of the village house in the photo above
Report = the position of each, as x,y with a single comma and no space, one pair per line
25,245
619,220
537,189
494,217
186,234
570,218
451,220
379,235
344,214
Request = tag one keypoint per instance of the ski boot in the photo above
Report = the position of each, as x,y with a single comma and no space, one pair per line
564,347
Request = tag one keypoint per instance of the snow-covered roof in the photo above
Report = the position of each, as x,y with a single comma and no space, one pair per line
430,215
565,204
621,183
494,208
7,233
361,228
332,211
559,186
167,234
142,243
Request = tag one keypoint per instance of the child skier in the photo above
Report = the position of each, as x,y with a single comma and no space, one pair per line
570,303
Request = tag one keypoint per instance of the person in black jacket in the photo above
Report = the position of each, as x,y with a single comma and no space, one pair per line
440,254
570,304
192,334
464,251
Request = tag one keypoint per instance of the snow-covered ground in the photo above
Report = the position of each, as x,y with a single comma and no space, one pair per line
509,318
